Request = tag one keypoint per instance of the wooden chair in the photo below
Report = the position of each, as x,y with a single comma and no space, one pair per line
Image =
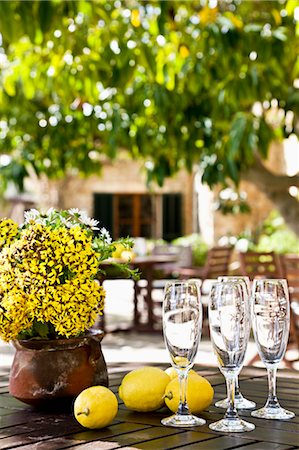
291,272
260,264
217,264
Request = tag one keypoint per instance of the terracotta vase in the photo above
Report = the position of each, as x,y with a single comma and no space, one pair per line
50,373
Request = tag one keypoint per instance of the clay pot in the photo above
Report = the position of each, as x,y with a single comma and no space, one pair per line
50,373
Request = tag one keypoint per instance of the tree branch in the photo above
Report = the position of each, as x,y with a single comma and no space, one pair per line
276,188
268,181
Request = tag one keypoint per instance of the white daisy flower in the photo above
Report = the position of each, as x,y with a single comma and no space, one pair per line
83,215
67,223
30,215
92,223
50,211
105,235
74,211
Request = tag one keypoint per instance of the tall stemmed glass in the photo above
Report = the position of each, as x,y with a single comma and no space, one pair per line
229,328
182,323
271,325
240,401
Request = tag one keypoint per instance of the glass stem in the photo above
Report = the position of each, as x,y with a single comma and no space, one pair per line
231,412
237,389
183,407
272,401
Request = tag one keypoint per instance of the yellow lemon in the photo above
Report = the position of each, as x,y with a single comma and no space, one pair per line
119,248
199,393
181,361
143,389
171,371
127,255
95,407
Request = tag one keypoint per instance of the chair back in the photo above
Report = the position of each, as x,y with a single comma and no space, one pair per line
217,264
218,260
261,264
291,271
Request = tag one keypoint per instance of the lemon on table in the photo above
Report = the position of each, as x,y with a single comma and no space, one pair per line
143,389
171,371
181,361
95,407
199,393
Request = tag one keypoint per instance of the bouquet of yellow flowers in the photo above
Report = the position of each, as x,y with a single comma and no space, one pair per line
48,274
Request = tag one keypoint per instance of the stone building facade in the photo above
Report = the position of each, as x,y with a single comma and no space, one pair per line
182,206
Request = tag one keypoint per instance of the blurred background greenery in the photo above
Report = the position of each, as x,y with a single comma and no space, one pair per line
177,84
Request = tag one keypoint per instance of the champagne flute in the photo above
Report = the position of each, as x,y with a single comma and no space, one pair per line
229,329
240,401
271,324
182,323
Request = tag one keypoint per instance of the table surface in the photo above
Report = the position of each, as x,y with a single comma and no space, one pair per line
143,260
25,428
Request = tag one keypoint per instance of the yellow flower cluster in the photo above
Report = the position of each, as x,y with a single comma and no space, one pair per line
8,232
47,275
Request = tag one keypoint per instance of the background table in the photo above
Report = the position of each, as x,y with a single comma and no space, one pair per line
24,428
146,266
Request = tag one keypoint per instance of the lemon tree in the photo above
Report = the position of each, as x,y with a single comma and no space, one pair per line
143,389
95,407
199,393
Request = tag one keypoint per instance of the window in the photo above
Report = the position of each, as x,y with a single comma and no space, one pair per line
134,215
144,215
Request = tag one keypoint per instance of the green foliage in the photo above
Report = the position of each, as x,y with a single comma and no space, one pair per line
231,202
280,241
38,330
272,235
199,247
276,236
173,82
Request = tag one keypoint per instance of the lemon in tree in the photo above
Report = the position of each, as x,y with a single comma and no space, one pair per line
143,389
199,393
95,407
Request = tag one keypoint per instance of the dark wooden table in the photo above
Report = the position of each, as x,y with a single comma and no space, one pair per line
27,429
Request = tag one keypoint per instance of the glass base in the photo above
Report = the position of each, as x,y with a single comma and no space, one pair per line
240,403
273,413
177,420
232,425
